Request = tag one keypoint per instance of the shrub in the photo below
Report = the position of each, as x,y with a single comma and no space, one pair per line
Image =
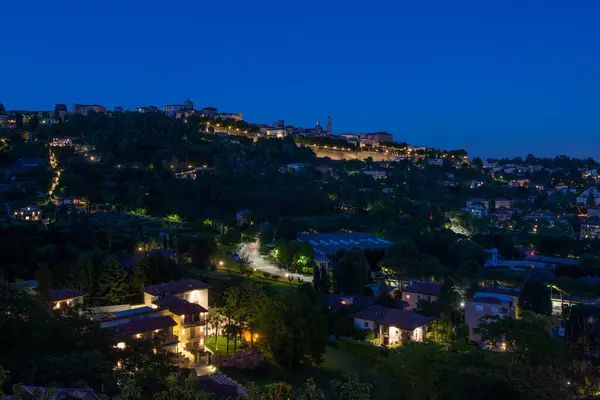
369,334
275,277
266,274
360,349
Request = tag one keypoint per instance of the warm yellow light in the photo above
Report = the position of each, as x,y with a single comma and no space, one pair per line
221,263
121,345
138,336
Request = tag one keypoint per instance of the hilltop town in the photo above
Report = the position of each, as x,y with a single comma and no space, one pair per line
179,252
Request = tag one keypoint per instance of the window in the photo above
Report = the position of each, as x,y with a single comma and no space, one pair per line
366,324
478,308
494,309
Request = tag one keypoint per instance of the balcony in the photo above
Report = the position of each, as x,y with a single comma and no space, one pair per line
190,321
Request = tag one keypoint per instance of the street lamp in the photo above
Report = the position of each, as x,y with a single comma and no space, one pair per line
221,263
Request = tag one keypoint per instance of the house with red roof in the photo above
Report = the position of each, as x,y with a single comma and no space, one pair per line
392,326
416,291
174,310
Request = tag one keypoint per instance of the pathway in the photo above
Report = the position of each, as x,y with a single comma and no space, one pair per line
261,264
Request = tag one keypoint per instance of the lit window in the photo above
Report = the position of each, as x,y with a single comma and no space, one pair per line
494,309
478,308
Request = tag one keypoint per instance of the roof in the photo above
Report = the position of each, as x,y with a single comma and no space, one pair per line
406,320
176,287
59,393
144,325
332,242
65,294
221,390
355,302
179,306
487,300
428,288
513,292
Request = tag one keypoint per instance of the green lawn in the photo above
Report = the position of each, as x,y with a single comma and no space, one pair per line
221,347
335,362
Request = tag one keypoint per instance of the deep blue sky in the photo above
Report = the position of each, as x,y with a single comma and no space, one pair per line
503,77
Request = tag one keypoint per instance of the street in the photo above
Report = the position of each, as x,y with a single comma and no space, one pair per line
259,262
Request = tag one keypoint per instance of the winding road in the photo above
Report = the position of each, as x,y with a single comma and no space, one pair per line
259,262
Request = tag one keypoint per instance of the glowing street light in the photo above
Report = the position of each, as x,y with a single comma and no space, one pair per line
221,263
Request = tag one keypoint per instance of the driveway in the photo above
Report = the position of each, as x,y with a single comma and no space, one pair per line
261,264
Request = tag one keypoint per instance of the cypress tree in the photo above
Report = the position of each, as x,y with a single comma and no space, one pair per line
316,279
324,283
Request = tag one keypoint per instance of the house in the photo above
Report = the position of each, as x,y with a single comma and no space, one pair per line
470,202
350,302
391,325
375,173
519,183
294,167
505,214
28,214
590,230
436,161
47,393
171,109
326,245
485,305
229,115
63,298
326,170
84,109
590,194
593,211
147,109
502,202
374,139
61,141
420,291
477,210
191,290
175,310
70,202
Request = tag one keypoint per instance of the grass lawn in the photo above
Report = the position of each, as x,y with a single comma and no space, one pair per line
221,348
335,362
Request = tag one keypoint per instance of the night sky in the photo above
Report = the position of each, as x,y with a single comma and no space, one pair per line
502,77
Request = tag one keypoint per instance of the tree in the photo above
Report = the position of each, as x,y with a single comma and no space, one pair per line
113,282
81,275
465,250
39,347
310,391
351,273
287,229
351,388
232,331
590,265
215,320
283,251
316,279
293,328
325,282
202,252
43,276
535,297
529,336
266,233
